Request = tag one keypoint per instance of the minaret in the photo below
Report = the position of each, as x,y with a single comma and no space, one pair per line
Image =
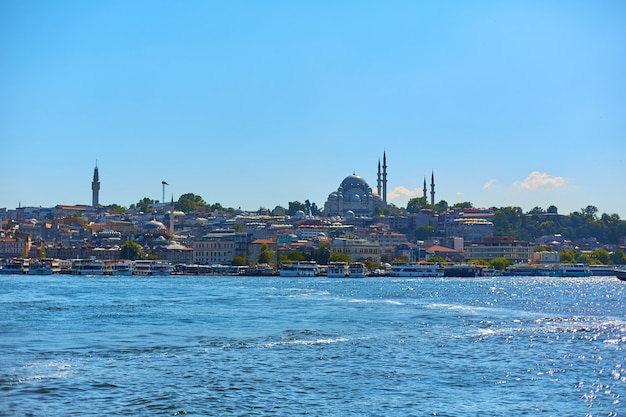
425,195
378,180
385,178
95,187
432,189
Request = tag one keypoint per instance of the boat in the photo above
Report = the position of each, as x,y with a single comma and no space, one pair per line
14,266
152,268
460,270
571,270
357,270
260,270
620,274
414,269
87,267
338,270
299,269
120,268
43,267
602,270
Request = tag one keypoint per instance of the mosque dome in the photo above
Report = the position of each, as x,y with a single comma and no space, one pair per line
354,182
154,225
349,214
299,214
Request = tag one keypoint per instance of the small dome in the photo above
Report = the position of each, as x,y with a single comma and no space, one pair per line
154,225
349,214
299,214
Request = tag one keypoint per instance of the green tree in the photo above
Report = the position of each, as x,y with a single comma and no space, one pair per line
189,202
294,206
116,208
462,205
131,250
500,263
266,256
339,257
416,204
296,256
144,205
425,232
238,260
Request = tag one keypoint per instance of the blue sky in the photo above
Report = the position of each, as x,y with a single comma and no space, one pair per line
255,104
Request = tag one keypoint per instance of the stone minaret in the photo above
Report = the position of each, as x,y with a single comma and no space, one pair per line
432,189
378,179
95,187
425,195
385,178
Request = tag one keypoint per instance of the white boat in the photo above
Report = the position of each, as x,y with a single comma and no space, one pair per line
152,268
571,270
87,267
14,266
413,269
43,267
357,270
299,269
338,270
620,274
120,268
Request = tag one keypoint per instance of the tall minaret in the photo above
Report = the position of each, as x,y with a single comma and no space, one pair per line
425,195
95,187
432,189
378,179
385,178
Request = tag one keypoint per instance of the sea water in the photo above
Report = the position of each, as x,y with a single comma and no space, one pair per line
216,346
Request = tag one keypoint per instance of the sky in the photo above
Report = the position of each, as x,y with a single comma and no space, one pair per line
255,104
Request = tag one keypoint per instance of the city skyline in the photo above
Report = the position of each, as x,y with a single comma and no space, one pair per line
255,105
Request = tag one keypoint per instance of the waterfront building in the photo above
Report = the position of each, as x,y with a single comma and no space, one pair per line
356,249
214,248
501,247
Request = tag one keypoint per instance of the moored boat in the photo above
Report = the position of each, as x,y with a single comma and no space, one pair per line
151,268
43,267
620,274
460,270
357,270
299,269
87,267
121,268
414,269
571,270
14,266
338,270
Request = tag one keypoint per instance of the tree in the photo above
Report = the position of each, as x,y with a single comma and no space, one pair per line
131,250
189,202
441,206
552,210
416,204
425,232
295,256
294,206
339,257
500,263
144,205
238,260
266,256
116,208
464,204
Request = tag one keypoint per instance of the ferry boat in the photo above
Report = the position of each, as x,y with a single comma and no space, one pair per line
299,269
87,267
119,268
460,270
338,270
571,270
14,266
43,267
357,270
151,268
414,269
620,274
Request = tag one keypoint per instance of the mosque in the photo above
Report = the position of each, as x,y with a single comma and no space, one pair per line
355,197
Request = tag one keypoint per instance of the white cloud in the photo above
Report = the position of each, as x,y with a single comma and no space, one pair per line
403,193
540,181
489,184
